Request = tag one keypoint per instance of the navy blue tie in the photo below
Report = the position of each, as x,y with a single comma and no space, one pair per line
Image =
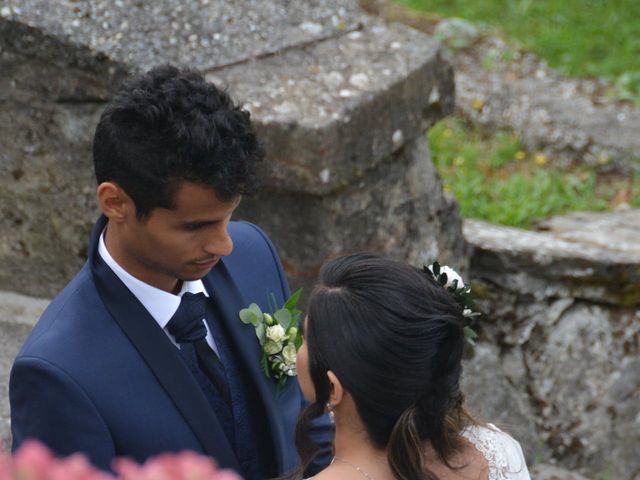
187,327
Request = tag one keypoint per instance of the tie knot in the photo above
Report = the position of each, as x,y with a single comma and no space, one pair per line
186,325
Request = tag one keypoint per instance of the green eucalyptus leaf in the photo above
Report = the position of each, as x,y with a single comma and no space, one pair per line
261,333
283,316
255,314
247,316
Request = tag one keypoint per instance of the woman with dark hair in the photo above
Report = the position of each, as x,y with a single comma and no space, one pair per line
383,355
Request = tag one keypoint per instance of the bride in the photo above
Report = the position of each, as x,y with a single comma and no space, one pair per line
382,354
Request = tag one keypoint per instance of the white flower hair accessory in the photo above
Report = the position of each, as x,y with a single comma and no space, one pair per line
453,283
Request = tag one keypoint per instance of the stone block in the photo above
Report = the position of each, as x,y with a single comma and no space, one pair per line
574,256
18,314
563,303
331,111
397,209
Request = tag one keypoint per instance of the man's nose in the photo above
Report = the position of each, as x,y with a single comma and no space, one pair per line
220,243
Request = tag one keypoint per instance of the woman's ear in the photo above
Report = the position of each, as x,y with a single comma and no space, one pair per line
336,391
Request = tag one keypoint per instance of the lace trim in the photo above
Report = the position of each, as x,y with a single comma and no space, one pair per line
490,442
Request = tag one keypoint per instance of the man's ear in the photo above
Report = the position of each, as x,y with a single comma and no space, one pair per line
114,202
336,391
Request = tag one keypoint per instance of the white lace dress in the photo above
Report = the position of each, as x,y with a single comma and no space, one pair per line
502,453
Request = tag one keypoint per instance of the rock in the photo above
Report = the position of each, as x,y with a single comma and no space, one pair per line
300,114
412,221
203,34
503,400
572,258
457,33
18,314
563,318
552,472
585,375
574,120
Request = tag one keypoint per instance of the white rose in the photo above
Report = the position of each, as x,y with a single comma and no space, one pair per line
289,354
271,347
452,275
276,333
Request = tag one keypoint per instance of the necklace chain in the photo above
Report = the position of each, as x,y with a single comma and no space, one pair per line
362,472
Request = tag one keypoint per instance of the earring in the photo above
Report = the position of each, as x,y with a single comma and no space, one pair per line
332,415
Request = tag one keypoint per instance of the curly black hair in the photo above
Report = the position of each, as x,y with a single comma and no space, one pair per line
171,125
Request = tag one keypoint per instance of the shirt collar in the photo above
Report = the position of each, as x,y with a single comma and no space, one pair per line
160,304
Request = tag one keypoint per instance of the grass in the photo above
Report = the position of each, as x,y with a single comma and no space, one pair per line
578,37
492,176
495,179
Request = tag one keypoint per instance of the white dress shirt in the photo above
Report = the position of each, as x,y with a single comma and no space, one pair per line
161,305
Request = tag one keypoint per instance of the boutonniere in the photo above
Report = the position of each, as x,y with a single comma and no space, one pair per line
453,283
279,336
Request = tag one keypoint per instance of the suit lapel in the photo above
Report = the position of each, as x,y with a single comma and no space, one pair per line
228,302
160,355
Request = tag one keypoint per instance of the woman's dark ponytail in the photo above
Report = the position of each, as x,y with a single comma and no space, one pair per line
405,448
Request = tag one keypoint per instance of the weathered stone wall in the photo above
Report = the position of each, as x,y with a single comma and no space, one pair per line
51,95
559,360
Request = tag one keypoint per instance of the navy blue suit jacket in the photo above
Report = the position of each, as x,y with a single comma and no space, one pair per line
97,374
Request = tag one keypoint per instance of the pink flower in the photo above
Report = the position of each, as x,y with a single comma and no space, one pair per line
76,467
6,468
173,466
32,461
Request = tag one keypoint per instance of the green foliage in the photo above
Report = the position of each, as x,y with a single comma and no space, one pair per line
627,87
578,37
495,179
279,335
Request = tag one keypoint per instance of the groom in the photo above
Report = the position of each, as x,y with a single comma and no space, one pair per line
143,351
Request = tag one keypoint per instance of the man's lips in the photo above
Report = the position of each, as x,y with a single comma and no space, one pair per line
210,262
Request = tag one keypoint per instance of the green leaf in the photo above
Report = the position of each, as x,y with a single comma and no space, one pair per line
470,334
436,269
283,317
256,309
251,314
264,361
261,333
273,304
291,303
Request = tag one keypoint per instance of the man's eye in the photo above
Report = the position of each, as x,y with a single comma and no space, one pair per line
194,226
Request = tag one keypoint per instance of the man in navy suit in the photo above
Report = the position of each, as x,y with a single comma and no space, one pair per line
109,370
